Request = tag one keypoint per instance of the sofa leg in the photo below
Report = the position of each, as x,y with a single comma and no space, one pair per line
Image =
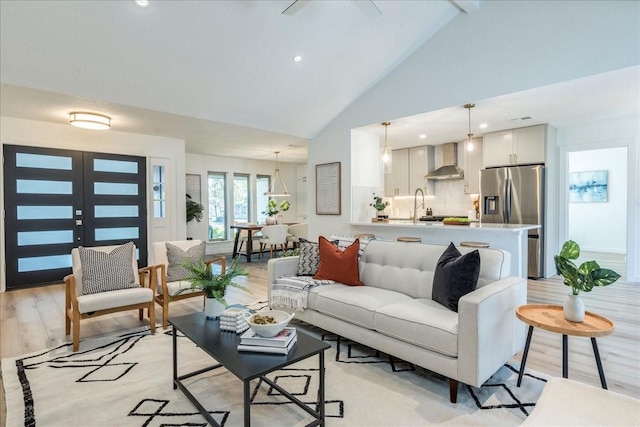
453,390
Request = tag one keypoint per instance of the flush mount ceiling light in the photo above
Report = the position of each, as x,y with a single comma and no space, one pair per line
272,186
142,3
469,135
297,58
90,121
423,136
386,151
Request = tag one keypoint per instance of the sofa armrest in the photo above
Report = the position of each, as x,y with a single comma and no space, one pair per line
279,267
489,333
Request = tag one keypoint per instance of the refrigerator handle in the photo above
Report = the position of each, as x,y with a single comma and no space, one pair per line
507,201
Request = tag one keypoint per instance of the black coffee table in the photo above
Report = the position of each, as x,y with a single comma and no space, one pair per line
222,346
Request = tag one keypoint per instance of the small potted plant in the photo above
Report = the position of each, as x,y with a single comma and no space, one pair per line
273,209
582,278
214,286
379,206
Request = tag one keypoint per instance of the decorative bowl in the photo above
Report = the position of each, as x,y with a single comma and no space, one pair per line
268,330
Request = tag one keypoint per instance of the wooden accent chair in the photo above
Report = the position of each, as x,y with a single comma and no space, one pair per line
274,236
166,287
105,288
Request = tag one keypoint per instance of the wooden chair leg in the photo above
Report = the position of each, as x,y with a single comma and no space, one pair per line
453,390
76,331
165,312
67,322
152,316
141,313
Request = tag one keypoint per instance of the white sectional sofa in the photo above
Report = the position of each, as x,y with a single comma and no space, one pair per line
394,312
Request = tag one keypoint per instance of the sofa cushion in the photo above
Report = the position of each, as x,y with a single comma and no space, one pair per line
178,256
456,275
354,304
309,258
338,265
420,322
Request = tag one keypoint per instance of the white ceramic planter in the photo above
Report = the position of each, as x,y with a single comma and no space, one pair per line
212,308
573,308
270,220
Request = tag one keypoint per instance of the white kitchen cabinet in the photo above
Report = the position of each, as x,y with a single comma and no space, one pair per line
473,164
397,182
421,162
514,147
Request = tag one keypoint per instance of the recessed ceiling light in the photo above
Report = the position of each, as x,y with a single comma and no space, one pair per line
423,136
142,3
483,125
297,58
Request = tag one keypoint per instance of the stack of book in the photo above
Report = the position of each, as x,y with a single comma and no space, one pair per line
280,344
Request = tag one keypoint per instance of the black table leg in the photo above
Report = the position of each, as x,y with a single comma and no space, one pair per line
524,355
321,389
565,356
175,358
249,244
247,404
596,353
235,243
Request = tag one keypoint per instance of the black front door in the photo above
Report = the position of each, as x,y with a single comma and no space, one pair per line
56,200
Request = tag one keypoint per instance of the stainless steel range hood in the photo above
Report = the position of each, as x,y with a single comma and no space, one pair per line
450,170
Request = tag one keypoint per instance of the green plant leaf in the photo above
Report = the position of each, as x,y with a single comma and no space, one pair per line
570,250
587,267
604,277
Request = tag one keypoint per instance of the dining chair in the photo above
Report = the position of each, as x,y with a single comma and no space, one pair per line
274,235
296,232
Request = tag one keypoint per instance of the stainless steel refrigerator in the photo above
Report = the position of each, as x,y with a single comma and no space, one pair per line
515,195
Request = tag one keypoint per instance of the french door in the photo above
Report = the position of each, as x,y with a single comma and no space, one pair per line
56,200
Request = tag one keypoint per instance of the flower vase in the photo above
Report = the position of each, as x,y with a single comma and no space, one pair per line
279,219
213,308
573,308
270,220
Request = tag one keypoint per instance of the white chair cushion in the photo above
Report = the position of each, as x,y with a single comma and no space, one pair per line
422,322
174,287
111,299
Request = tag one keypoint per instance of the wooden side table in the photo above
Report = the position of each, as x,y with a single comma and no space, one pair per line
550,318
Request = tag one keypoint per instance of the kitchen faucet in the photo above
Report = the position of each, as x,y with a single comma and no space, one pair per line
415,204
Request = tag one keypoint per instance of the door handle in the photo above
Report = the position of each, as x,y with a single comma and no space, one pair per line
78,222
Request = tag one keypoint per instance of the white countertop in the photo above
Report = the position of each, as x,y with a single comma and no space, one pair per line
426,225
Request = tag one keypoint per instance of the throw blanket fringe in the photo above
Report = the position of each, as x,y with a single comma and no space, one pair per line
292,292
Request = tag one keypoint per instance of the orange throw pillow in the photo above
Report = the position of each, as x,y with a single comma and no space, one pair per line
341,266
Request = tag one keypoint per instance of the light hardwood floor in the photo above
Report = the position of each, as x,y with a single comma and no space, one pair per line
33,319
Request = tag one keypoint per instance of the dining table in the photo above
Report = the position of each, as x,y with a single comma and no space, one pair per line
250,229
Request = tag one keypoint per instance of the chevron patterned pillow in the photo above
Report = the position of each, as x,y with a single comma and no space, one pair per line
107,271
177,257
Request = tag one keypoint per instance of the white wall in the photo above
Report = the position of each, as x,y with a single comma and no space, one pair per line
49,135
502,48
601,226
201,165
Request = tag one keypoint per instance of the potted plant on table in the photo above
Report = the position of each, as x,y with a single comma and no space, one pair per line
273,209
379,206
201,277
582,278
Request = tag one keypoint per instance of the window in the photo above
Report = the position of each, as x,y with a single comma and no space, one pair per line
262,186
159,196
216,185
241,198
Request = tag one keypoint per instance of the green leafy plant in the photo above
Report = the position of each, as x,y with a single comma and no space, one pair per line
378,204
214,285
194,210
273,208
585,277
291,252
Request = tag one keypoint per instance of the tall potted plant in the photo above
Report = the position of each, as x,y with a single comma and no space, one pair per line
213,285
583,278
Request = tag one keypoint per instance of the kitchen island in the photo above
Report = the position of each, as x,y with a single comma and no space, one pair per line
509,237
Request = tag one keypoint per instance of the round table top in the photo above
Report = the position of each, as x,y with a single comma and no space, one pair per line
551,318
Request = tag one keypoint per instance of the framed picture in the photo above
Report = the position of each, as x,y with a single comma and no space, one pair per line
328,189
193,187
587,187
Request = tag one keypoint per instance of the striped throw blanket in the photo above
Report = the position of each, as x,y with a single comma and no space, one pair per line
292,292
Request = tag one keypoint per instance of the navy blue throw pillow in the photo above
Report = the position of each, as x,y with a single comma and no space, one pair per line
456,275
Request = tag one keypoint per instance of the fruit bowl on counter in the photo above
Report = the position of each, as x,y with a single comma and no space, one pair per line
456,221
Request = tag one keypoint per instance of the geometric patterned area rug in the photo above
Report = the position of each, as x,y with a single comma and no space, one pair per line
126,380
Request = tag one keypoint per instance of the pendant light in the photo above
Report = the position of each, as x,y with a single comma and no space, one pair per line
272,186
469,135
387,159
